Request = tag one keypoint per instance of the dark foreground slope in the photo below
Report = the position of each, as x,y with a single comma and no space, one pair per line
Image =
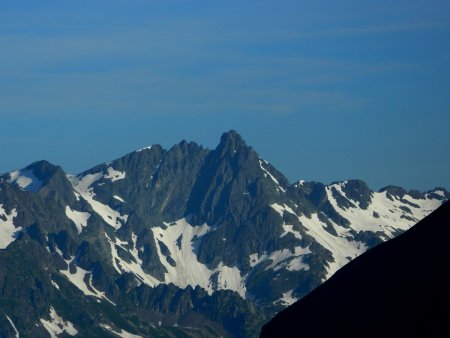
397,289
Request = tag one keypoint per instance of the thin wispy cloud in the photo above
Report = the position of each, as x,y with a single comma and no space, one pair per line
393,28
297,70
349,31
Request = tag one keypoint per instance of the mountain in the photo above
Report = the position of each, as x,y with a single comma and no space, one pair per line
185,241
397,289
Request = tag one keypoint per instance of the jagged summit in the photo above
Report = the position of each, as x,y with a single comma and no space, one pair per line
188,236
232,136
232,142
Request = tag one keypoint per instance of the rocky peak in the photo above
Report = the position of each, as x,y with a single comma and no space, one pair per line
231,142
358,190
35,176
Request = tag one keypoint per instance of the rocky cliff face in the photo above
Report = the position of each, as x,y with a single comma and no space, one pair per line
192,240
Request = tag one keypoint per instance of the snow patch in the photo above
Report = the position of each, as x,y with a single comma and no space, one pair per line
13,326
282,259
56,325
287,299
82,279
181,239
122,333
229,278
8,231
282,208
25,179
297,264
267,173
114,175
288,228
55,285
440,192
343,247
145,148
134,266
390,213
118,198
79,218
83,185
58,251
254,259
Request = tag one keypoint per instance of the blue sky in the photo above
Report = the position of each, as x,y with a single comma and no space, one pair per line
324,90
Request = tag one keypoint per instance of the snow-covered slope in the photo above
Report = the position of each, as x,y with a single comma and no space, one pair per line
163,232
8,231
56,325
25,179
176,250
314,229
397,289
83,186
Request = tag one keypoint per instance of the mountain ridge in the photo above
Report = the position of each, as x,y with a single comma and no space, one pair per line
226,136
212,224
392,290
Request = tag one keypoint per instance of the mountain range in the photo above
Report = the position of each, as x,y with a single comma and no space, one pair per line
181,242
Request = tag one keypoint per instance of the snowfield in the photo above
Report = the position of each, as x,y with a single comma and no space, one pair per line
8,231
